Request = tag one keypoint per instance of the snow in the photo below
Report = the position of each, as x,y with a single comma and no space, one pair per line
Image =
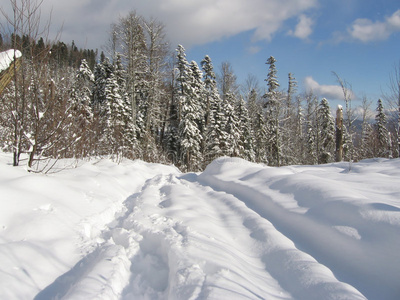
7,57
238,230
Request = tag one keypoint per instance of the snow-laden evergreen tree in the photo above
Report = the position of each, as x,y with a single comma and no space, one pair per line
311,155
214,135
381,132
229,93
260,139
289,125
298,143
181,84
210,89
81,97
253,105
272,106
368,142
129,126
190,137
102,72
183,78
292,86
232,127
188,93
245,130
326,133
311,130
114,140
199,95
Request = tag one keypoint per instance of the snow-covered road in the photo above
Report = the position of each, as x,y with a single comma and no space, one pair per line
236,231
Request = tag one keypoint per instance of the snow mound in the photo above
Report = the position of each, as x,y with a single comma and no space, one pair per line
7,57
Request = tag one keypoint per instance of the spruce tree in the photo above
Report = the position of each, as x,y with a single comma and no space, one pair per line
214,136
311,130
188,94
81,97
232,128
210,88
272,106
190,137
326,133
113,138
260,139
245,130
381,132
289,125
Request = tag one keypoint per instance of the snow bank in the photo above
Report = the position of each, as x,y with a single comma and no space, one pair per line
50,222
347,221
7,57
238,230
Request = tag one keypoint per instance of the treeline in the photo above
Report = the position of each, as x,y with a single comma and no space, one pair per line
144,102
59,53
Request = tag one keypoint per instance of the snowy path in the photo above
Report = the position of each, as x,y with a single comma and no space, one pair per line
242,231
163,248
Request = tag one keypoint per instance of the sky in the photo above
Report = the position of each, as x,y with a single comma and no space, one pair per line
357,39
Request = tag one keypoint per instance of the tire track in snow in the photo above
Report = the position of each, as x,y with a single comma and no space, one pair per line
160,267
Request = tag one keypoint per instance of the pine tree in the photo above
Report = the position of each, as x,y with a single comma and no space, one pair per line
253,106
129,127
272,106
326,133
260,139
102,72
81,97
190,137
199,95
381,132
113,140
188,93
292,86
180,88
289,130
245,130
214,136
233,146
216,144
210,88
311,131
229,90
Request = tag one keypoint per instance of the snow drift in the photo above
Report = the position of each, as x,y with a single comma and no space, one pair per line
238,230
7,57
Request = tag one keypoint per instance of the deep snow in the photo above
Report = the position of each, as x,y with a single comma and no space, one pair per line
238,230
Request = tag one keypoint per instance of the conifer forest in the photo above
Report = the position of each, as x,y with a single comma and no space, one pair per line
138,99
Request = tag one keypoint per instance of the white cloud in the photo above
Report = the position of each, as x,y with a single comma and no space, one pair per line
188,22
253,49
366,30
303,28
333,92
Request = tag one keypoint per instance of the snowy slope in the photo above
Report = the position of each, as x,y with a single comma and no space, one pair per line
236,231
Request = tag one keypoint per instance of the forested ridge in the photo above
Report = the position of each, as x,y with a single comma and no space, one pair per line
142,100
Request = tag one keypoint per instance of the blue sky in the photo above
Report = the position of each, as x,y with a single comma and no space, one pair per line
357,39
